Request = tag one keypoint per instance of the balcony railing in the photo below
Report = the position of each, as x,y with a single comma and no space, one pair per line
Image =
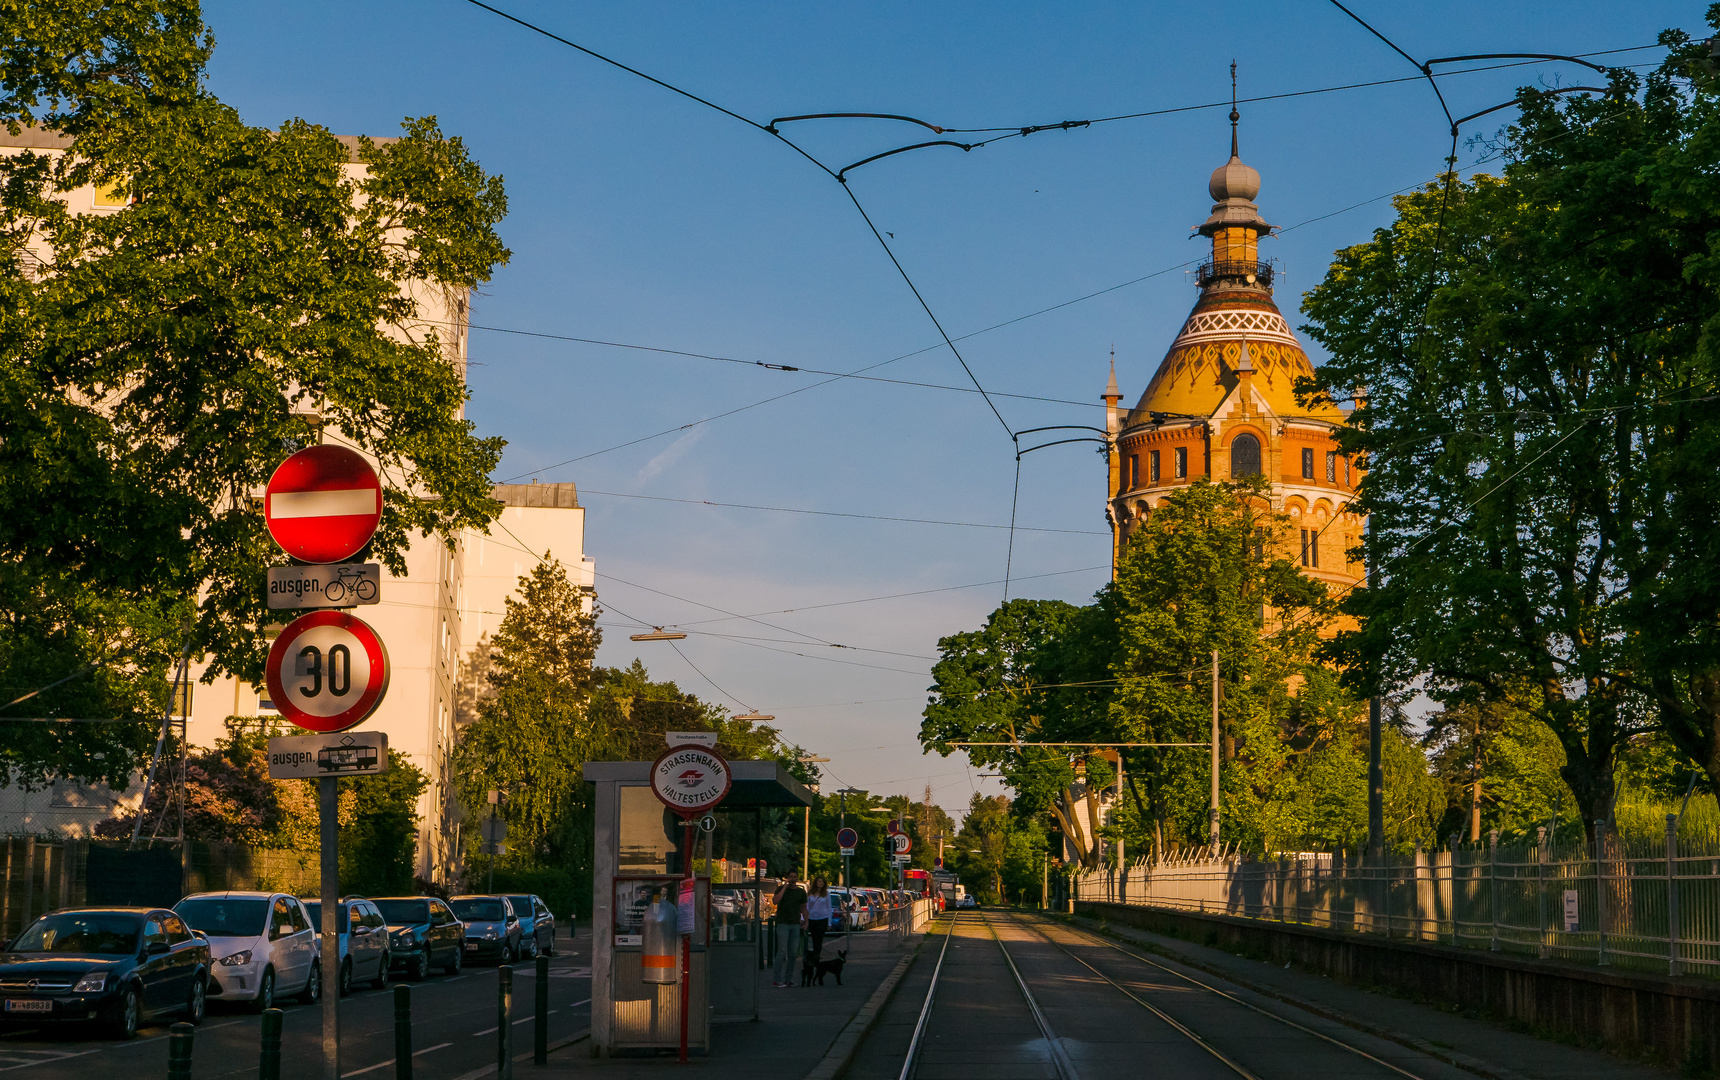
1234,270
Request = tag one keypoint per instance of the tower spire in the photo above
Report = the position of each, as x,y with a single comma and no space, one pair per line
1234,115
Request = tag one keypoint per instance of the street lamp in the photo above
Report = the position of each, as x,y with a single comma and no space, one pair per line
658,634
806,829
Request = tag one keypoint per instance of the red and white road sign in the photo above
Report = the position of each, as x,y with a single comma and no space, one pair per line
323,504
894,827
691,779
327,671
901,843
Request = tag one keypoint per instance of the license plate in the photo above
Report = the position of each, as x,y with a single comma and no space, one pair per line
13,1006
471,947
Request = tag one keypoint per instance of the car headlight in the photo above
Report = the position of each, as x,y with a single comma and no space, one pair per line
489,934
91,983
235,959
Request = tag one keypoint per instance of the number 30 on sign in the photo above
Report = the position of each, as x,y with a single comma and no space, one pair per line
327,671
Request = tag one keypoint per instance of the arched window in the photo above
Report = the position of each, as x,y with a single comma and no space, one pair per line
1244,456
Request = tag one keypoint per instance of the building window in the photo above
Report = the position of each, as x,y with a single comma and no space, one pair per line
1133,479
1181,462
1307,463
1244,456
1332,466
1347,482
1311,547
1153,465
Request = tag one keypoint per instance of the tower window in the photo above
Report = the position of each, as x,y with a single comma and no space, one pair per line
1311,547
1332,466
1180,462
1304,547
1244,456
1153,466
1347,481
1132,473
1307,463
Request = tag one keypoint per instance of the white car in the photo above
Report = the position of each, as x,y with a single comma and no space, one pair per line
261,946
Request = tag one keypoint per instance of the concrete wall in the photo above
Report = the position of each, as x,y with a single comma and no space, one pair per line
1675,1020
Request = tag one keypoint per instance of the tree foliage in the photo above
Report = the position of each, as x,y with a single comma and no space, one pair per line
157,362
1539,358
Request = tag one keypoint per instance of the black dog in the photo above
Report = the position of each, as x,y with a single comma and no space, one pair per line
808,968
830,967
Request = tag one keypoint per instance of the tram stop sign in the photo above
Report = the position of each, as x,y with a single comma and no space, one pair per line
323,504
691,779
327,671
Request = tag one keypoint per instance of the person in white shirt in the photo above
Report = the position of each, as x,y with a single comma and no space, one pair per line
816,916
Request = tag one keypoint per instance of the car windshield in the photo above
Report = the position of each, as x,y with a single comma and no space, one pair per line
402,912
87,932
479,910
522,906
313,912
220,916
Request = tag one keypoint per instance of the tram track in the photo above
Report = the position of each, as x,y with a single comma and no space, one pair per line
1085,993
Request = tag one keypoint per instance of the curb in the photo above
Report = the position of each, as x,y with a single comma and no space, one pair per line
1456,1059
847,1041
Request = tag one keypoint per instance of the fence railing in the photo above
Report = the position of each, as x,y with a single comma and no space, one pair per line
1616,901
910,918
38,876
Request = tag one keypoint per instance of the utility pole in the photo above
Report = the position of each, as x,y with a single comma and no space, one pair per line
1212,828
1376,775
806,829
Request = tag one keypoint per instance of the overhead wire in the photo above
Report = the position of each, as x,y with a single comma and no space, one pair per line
837,513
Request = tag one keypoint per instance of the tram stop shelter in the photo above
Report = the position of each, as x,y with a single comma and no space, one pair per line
636,854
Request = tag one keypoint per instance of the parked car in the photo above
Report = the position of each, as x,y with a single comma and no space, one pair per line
363,941
493,931
422,933
262,943
112,966
537,925
967,901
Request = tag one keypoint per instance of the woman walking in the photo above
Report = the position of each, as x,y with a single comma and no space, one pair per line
817,916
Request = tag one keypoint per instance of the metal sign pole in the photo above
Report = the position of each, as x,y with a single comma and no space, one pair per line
689,884
328,814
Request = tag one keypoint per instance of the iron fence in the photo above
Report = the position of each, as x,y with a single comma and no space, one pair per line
1622,901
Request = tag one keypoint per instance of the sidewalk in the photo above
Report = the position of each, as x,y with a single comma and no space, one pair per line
795,1028
1477,1046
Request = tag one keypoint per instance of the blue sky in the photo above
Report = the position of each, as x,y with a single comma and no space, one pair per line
638,216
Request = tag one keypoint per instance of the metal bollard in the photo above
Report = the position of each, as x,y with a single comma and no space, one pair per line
269,1064
540,1034
504,1022
179,1051
402,1032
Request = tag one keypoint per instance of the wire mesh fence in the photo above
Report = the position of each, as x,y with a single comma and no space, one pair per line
1626,901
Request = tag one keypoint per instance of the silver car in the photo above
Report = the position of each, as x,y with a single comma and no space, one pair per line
261,943
363,941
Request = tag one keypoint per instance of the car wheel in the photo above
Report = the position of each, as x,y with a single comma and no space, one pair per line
346,977
419,966
549,950
532,953
381,980
453,968
199,1003
265,999
126,1015
312,993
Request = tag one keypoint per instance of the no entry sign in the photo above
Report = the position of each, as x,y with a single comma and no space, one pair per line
323,504
327,671
690,779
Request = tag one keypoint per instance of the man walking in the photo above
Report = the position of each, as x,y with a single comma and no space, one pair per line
790,902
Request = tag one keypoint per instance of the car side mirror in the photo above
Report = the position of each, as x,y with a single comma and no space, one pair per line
156,948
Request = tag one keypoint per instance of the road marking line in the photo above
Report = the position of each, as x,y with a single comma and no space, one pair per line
486,1031
577,1004
390,1061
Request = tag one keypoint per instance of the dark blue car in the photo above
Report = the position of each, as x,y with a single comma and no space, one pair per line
115,967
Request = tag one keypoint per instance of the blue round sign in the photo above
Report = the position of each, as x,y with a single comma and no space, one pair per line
847,838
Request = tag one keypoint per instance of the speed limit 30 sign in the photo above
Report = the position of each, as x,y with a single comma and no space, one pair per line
327,671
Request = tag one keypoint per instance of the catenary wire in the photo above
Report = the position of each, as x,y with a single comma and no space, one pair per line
838,513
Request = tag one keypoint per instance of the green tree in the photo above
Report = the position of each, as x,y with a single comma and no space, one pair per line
156,363
533,734
1203,574
379,848
1538,355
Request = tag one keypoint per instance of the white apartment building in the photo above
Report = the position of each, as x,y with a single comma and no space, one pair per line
430,618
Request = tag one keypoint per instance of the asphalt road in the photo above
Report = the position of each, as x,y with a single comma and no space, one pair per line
453,1030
